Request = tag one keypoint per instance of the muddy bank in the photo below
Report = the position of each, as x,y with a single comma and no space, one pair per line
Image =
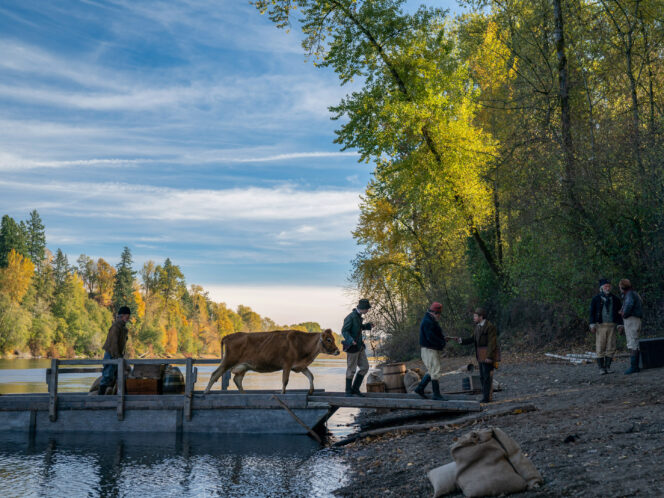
590,434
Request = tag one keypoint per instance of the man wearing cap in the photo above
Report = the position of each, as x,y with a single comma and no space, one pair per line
604,319
432,343
353,344
487,351
114,348
632,313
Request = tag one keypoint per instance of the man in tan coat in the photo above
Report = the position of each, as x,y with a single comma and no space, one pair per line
114,348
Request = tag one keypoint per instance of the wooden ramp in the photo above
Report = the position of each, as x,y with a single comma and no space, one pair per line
452,404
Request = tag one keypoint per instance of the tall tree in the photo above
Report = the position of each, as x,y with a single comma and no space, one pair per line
123,289
36,239
12,236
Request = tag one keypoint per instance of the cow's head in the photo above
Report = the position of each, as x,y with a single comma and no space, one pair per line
327,340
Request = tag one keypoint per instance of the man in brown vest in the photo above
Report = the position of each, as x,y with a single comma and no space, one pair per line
114,348
487,351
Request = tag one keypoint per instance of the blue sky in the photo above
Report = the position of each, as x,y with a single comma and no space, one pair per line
187,129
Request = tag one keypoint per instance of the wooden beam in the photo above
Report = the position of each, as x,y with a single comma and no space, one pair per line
188,389
121,388
402,404
53,392
298,420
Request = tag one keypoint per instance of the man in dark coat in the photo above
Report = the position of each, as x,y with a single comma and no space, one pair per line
114,348
632,314
353,345
487,351
432,343
604,320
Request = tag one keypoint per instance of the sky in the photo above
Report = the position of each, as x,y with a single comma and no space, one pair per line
185,129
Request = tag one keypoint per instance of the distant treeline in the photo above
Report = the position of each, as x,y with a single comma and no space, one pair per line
49,307
518,151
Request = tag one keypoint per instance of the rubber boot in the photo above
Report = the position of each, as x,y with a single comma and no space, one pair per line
633,363
607,364
436,391
349,387
600,364
355,389
422,385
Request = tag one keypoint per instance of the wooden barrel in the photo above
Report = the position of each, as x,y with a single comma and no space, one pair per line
173,382
393,374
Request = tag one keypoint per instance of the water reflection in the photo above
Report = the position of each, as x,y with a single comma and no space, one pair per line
166,465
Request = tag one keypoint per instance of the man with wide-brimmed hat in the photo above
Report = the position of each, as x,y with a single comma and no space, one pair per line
487,351
632,314
604,321
432,343
353,345
114,348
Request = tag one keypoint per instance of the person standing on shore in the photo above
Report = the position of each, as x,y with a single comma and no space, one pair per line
353,345
632,314
114,348
604,320
487,351
432,343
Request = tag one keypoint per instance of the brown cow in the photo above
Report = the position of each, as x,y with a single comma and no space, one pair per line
271,351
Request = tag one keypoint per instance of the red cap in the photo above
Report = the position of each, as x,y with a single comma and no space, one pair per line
436,307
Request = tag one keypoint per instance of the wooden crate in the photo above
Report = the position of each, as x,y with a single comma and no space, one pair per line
143,386
375,387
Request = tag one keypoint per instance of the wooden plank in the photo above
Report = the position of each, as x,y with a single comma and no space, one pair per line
188,389
121,388
53,392
450,395
402,404
297,419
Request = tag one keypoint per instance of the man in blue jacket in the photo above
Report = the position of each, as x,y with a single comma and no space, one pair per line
604,320
432,342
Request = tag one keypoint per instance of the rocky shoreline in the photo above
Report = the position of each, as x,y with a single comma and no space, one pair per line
588,434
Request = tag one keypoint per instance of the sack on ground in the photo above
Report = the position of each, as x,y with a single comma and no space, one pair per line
489,463
374,376
443,479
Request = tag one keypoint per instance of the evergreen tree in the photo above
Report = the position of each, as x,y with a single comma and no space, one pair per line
12,236
36,239
61,269
123,290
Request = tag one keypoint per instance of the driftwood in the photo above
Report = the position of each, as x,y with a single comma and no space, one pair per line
508,410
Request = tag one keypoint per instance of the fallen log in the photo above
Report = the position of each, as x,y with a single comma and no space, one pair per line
487,414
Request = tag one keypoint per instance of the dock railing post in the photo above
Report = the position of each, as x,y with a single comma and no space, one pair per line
188,388
53,391
121,388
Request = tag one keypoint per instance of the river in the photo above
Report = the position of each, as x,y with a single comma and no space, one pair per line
165,464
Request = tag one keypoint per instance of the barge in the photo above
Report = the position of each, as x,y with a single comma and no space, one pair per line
220,412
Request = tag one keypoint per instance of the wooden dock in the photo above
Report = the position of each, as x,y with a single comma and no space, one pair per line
227,412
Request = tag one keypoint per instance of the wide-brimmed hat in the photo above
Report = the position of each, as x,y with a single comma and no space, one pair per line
363,304
480,312
124,310
604,281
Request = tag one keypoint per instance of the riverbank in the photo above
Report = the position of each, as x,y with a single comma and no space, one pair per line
589,435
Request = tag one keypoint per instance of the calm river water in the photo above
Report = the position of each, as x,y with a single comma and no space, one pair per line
164,464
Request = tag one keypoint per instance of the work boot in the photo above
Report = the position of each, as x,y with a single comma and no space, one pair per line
436,391
422,385
607,364
349,387
600,364
355,389
633,363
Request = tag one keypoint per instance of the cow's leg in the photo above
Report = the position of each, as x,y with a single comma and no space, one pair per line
238,375
310,376
284,379
215,376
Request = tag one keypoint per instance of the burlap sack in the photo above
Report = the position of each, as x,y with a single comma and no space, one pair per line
443,479
374,376
410,381
489,463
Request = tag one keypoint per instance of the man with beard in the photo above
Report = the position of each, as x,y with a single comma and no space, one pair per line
604,320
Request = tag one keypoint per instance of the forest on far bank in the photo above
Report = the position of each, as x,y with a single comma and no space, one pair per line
52,307
518,155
